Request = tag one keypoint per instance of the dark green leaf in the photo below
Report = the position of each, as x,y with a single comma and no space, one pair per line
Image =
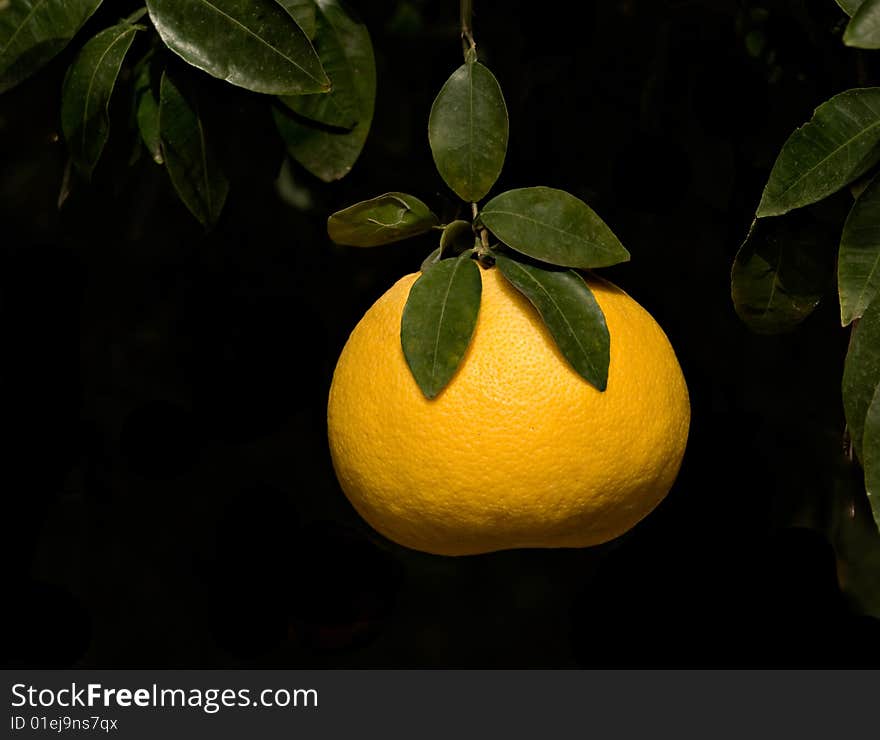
85,98
330,153
837,146
34,31
781,272
381,220
431,259
146,100
456,237
861,373
871,455
571,313
849,6
438,321
339,107
303,12
251,43
468,129
553,226
858,266
191,163
863,30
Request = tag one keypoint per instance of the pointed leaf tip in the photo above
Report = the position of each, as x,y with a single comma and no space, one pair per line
571,313
553,226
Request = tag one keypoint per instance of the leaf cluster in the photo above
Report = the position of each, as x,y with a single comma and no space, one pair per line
537,237
311,60
783,268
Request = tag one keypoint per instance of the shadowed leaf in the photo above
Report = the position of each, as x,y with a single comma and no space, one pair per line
32,32
85,97
871,455
254,44
190,161
863,30
861,373
781,272
553,226
858,266
303,12
571,313
329,154
340,107
147,108
438,321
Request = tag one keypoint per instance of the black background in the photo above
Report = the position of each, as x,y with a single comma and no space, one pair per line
167,490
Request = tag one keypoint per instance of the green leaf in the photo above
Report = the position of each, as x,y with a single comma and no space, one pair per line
85,97
871,453
781,272
438,321
858,265
340,107
861,373
863,30
32,32
849,6
552,226
571,313
381,220
191,163
837,146
303,12
431,259
146,100
468,129
457,237
327,153
254,44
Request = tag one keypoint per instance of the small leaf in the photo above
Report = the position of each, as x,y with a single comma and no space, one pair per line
837,146
849,6
32,32
553,226
861,373
858,266
190,161
781,272
254,44
382,220
439,320
85,98
340,107
457,237
468,130
330,154
146,100
303,12
863,30
871,453
571,313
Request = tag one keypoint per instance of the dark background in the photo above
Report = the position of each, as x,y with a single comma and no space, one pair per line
167,491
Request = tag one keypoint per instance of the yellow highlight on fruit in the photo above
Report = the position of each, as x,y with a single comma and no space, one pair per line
518,450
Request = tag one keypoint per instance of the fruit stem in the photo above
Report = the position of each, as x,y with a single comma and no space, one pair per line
469,45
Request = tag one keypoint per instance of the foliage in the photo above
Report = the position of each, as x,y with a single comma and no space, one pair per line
781,270
310,60
527,233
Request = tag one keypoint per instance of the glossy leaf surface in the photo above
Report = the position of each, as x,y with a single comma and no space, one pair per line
553,226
